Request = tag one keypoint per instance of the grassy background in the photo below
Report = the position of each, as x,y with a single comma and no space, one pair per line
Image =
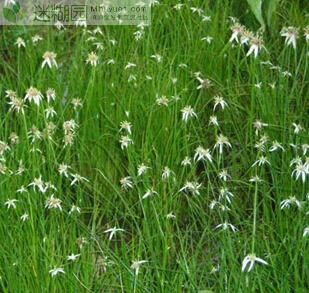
181,252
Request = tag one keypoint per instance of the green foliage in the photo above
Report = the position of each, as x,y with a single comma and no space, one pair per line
256,8
9,14
175,231
263,9
270,9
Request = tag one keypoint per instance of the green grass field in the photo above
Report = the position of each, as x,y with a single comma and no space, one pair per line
165,158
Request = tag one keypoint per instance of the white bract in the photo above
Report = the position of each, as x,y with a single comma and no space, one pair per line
49,59
249,262
56,271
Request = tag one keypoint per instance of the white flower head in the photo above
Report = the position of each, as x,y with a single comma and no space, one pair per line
11,203
178,6
53,203
24,217
223,175
167,172
245,37
75,208
4,147
207,39
92,59
50,95
291,35
63,170
157,57
187,113
237,31
20,42
255,179
213,120
297,128
276,146
258,125
36,38
56,271
191,188
292,200
49,59
256,45
59,25
142,169
78,178
197,10
126,183
219,101
202,154
206,18
226,226
125,141
130,65
17,105
204,83
162,101
77,102
99,45
34,95
50,112
38,183
221,142
305,148
249,261
261,161
170,216
149,193
73,257
81,21
186,161
112,232
225,194
125,125
301,171
136,265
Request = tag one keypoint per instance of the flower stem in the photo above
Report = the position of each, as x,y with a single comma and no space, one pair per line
254,216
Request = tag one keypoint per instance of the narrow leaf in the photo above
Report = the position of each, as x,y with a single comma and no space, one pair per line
271,8
9,14
256,8
16,7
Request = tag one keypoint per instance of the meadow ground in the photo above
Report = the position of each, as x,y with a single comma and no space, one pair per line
162,158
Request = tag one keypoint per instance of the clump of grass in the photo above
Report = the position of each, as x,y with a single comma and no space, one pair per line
167,158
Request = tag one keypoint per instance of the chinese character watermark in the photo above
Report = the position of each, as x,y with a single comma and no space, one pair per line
72,12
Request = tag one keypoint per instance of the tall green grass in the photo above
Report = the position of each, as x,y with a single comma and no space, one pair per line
186,253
